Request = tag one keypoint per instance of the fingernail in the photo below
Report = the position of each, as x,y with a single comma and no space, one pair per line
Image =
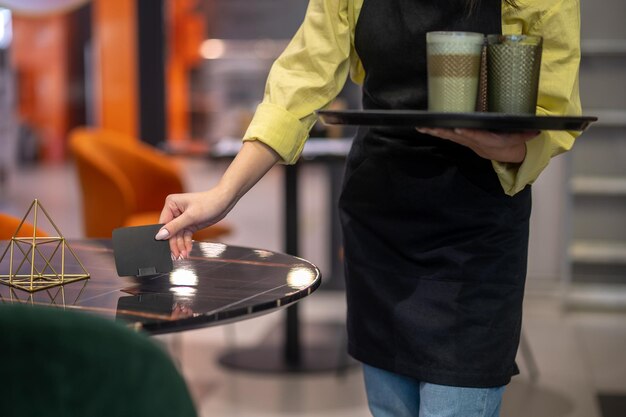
181,257
163,234
172,256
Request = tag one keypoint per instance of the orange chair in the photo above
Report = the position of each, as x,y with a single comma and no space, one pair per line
9,224
124,182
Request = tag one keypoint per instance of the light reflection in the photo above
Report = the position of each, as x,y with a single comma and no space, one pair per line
300,277
183,292
184,277
212,49
263,253
42,7
6,31
212,250
183,297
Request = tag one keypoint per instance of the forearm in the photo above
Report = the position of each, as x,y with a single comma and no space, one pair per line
306,77
559,26
252,162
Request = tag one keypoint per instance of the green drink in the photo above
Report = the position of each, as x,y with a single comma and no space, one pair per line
513,63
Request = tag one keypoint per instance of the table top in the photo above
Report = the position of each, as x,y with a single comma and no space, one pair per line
218,284
314,149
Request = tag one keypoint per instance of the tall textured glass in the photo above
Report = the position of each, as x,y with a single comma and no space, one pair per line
453,60
514,63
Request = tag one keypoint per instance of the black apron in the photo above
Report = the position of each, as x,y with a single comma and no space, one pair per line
435,251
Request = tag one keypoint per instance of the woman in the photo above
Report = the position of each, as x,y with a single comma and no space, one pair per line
435,221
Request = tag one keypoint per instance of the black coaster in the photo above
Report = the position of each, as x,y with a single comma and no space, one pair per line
612,405
137,253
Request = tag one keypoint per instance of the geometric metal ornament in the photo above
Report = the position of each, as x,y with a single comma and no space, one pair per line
56,297
34,262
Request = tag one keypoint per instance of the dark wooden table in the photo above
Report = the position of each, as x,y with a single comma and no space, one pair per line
218,284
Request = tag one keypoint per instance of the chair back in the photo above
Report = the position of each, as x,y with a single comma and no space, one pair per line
120,179
124,182
62,363
9,224
107,195
113,136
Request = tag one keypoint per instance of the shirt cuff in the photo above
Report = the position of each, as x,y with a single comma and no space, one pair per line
515,177
278,129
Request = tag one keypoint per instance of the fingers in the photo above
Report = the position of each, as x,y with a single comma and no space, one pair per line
181,311
180,238
176,253
522,136
453,135
476,138
462,136
188,241
440,133
181,244
171,229
503,147
170,209
479,134
182,215
163,234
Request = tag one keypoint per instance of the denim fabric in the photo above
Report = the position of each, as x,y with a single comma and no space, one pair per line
393,395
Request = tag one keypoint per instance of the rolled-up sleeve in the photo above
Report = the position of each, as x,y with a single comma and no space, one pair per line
305,78
559,25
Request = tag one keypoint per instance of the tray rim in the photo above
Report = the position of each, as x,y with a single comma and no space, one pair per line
424,118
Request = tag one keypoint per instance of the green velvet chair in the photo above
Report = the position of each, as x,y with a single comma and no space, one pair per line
62,363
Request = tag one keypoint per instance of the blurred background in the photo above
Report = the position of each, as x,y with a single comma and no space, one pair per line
185,76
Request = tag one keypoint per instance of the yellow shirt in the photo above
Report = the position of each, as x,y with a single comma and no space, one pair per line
315,65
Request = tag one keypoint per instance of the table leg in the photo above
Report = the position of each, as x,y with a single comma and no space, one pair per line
335,168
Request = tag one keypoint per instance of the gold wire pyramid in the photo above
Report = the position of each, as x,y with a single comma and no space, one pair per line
31,266
56,297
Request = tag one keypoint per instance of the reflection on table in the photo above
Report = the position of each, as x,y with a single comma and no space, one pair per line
217,284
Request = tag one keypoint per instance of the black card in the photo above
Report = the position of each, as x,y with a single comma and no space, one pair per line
157,303
138,253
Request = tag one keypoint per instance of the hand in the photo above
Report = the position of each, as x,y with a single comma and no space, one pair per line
501,147
184,214
181,311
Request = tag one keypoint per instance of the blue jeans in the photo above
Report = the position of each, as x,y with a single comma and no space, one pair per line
394,395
